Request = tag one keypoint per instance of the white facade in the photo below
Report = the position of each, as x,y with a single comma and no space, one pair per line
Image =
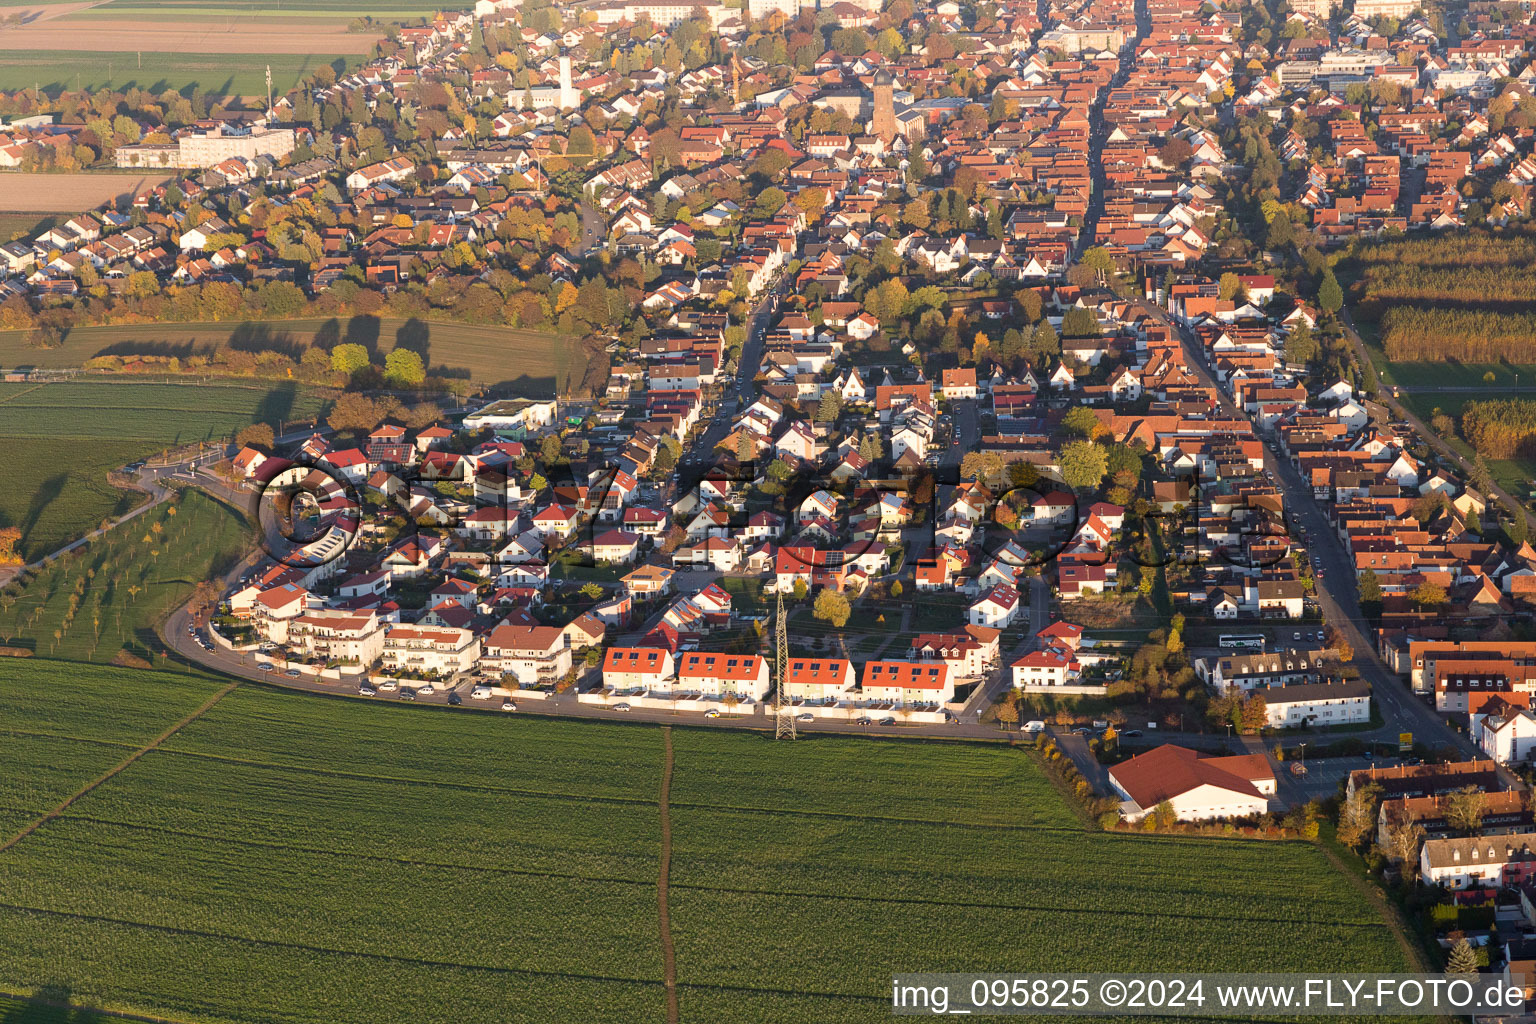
433,650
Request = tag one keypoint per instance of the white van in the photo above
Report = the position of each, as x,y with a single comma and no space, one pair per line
1035,727
481,693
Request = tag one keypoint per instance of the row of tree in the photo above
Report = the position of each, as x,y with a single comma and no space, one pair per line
1500,428
1411,333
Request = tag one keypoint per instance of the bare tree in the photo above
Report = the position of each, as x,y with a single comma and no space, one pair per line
1357,817
1403,846
1464,809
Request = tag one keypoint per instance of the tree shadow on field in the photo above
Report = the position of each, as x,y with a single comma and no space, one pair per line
47,493
363,330
327,335
416,336
50,1004
276,405
257,338
525,387
179,349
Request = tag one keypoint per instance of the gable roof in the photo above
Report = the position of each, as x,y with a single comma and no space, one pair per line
1171,770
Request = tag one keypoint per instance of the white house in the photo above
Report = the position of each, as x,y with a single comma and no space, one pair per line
908,682
1045,670
818,678
1508,737
642,668
1341,702
997,608
1197,787
1477,862
716,674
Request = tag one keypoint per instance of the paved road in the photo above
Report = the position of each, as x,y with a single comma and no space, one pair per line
758,322
1337,595
987,693
594,228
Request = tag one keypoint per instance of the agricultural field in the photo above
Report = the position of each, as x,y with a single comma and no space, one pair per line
528,363
107,596
233,33
61,440
514,876
38,193
217,73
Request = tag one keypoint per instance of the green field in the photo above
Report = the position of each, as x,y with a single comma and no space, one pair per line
239,74
285,8
24,225
294,858
521,362
123,582
61,439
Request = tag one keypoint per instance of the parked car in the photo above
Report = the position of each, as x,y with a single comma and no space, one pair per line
426,689
805,717
366,691
407,694
292,673
455,700
621,707
507,705
712,713
1131,733
268,667
888,720
389,686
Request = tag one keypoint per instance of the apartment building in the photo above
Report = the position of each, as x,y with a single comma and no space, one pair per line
331,634
531,655
431,650
716,674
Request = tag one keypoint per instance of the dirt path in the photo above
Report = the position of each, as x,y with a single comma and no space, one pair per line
151,745
668,956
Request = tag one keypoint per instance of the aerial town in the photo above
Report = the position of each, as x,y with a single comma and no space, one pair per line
1103,379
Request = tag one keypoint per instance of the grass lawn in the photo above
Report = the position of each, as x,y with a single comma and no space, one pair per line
939,612
521,362
107,597
247,870
61,439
